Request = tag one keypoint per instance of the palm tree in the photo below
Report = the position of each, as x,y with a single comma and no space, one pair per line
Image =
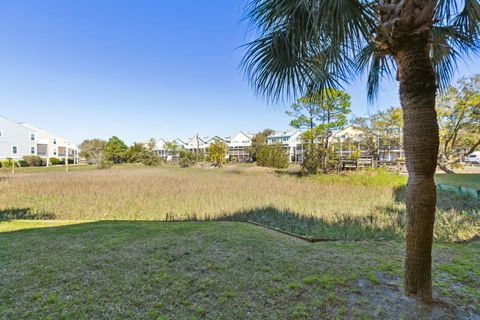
304,46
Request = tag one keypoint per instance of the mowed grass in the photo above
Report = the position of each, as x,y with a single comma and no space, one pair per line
465,180
218,270
364,205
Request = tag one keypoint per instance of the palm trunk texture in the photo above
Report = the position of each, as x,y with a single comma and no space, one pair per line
421,143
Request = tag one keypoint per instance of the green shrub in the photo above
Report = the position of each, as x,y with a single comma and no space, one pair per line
134,153
22,163
33,161
217,152
149,158
8,163
355,155
105,164
273,156
311,159
54,161
187,158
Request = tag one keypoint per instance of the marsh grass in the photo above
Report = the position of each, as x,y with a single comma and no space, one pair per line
355,206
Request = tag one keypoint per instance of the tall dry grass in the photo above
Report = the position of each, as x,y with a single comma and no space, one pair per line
150,193
368,200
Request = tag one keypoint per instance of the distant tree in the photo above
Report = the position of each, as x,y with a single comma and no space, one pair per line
186,158
258,142
388,125
458,110
370,139
333,108
151,144
382,130
217,152
92,150
274,156
172,149
115,150
149,155
150,158
134,152
306,112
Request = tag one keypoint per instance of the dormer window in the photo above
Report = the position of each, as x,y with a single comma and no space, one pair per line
54,141
32,136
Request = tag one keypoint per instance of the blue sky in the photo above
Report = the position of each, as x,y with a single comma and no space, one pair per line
138,69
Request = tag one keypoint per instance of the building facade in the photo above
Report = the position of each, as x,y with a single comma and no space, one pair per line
22,139
16,141
291,140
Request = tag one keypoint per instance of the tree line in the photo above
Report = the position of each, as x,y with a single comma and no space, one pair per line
104,154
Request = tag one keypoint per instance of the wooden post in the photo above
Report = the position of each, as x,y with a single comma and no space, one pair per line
66,158
13,166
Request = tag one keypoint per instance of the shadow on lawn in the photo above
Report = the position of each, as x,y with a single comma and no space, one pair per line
373,226
455,218
24,213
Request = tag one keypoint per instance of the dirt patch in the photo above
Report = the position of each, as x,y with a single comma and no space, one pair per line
389,302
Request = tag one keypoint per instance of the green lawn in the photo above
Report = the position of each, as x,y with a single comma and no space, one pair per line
216,270
465,180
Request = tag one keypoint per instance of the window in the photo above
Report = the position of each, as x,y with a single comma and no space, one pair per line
1,133
14,149
54,141
32,136
54,152
32,150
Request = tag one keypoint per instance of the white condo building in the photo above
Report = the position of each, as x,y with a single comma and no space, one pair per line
22,139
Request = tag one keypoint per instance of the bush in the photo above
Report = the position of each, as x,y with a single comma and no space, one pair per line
311,159
187,158
217,152
149,158
134,153
54,161
355,155
273,156
33,161
22,163
8,163
104,164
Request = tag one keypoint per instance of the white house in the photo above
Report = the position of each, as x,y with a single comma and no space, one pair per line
349,140
161,149
291,141
51,145
238,146
16,141
353,136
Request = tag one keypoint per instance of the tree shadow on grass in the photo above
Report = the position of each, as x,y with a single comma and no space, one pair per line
372,226
25,214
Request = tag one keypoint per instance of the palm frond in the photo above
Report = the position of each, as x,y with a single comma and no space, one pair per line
449,45
468,20
377,65
301,47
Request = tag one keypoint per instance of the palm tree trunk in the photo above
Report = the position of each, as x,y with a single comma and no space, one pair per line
421,142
